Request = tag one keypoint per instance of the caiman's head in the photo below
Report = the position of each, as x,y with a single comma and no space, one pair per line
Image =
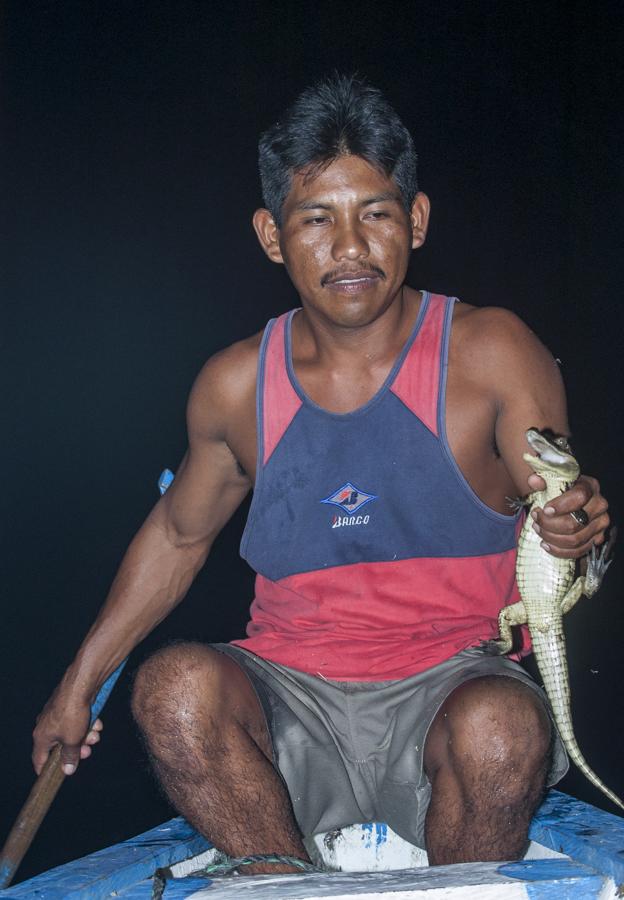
553,455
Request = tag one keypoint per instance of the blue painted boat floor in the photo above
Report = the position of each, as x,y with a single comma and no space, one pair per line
561,879
587,834
592,838
114,868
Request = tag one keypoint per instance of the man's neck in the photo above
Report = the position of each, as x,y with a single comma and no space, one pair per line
341,369
316,339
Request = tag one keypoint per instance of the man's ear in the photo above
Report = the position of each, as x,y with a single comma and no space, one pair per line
420,219
268,234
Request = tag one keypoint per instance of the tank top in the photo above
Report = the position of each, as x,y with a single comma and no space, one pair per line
375,559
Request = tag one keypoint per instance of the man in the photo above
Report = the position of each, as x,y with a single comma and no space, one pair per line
382,430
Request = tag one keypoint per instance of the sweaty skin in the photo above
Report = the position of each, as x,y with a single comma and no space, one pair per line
345,240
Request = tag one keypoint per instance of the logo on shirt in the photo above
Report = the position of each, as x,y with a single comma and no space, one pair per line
349,498
343,521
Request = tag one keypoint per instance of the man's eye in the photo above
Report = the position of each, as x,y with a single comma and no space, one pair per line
377,214
316,220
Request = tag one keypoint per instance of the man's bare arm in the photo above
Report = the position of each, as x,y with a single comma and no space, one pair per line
164,556
529,393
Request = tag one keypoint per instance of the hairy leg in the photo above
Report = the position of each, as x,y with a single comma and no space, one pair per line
206,734
486,756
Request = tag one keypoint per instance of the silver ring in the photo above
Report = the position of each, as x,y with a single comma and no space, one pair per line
580,516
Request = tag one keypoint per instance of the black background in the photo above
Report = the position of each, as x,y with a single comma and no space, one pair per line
131,160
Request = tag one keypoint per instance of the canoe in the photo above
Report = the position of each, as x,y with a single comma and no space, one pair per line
576,851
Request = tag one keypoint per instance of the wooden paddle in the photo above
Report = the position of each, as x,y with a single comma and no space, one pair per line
41,796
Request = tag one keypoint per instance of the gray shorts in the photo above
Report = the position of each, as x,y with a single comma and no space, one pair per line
353,752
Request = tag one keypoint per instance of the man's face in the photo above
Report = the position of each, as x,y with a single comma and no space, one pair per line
345,240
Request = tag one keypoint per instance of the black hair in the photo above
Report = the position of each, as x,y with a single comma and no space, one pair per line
339,116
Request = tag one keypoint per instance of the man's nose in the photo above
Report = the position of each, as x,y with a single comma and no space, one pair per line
349,242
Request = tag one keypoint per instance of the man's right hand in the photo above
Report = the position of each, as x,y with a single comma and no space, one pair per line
66,722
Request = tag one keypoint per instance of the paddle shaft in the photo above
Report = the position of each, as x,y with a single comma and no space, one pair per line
41,796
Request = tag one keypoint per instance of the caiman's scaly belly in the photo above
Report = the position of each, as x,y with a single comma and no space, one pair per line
543,580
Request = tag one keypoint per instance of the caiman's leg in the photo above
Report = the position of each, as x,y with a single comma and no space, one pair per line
486,756
206,734
597,565
588,584
517,503
573,596
507,618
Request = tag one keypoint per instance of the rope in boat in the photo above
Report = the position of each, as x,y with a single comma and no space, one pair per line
228,865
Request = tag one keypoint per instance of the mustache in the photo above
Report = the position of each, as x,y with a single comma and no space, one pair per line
335,274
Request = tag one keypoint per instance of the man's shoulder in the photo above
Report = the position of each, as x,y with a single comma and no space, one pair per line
483,323
234,364
494,348
225,388
494,333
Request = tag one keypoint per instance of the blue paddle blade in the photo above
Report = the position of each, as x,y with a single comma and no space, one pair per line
165,480
104,692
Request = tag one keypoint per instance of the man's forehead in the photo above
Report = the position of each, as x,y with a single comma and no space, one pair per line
347,177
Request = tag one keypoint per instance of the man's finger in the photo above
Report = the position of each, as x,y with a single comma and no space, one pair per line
573,545
92,738
576,553
70,756
585,493
568,525
40,757
571,542
575,498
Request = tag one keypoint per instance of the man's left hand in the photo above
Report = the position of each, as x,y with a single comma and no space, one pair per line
562,534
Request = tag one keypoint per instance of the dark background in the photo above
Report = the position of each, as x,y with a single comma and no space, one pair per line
131,160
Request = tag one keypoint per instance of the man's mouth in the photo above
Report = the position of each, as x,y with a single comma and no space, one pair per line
352,282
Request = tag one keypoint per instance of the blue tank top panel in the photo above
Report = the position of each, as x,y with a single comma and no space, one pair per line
374,485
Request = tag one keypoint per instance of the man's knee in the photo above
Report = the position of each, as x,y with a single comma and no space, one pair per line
173,682
491,731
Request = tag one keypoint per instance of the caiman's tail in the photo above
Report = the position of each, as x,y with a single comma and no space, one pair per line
549,649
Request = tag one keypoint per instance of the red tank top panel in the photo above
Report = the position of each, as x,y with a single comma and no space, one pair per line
375,559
